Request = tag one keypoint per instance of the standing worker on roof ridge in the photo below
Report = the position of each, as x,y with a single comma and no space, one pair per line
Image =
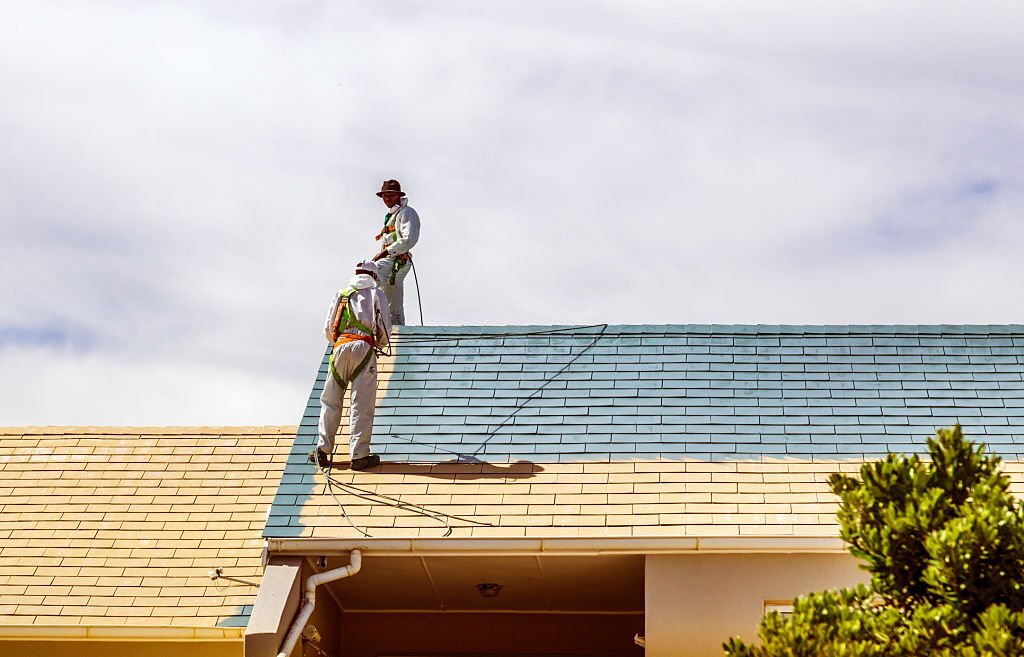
400,233
358,323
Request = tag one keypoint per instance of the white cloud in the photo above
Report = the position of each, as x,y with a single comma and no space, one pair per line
110,389
183,186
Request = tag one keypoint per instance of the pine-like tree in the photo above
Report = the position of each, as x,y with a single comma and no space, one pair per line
943,540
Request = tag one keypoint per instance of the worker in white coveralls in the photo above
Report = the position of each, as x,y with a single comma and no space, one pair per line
400,233
358,322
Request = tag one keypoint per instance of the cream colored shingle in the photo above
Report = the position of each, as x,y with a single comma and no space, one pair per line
687,498
112,526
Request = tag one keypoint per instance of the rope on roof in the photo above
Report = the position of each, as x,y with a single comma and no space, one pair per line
440,516
394,502
537,391
571,331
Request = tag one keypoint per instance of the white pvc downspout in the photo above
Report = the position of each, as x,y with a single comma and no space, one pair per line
309,598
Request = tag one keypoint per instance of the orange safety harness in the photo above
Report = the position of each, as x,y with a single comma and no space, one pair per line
344,319
352,337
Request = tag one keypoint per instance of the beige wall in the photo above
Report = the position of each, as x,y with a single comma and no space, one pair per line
695,602
369,635
121,648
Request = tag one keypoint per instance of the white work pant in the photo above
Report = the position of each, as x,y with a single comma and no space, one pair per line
362,404
396,292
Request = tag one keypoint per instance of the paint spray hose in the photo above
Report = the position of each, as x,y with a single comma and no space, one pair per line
417,280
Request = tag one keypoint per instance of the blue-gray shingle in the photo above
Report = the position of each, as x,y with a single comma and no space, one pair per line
689,391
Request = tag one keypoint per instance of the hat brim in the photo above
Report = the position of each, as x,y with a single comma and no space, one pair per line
381,194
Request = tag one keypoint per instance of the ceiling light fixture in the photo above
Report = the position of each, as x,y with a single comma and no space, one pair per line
489,590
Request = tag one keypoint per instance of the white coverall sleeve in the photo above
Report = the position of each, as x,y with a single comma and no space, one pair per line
383,313
407,228
330,316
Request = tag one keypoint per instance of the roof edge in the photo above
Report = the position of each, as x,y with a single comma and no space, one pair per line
557,546
120,633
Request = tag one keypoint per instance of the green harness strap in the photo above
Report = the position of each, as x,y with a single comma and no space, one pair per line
398,264
355,373
348,319
394,228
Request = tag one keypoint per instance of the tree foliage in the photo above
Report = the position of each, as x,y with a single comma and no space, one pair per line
943,540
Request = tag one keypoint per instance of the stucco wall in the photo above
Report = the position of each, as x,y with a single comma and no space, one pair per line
695,602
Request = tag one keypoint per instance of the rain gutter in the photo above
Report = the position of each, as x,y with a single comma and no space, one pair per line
391,547
118,633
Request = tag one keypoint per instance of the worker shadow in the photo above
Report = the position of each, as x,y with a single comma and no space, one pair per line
461,470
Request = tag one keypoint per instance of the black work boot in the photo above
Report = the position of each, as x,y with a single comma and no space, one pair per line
370,461
322,460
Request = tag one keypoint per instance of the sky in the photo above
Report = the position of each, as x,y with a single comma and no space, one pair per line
184,185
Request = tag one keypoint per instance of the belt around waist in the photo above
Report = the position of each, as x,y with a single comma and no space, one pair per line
345,338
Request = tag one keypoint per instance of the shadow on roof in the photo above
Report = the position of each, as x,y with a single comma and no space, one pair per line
456,470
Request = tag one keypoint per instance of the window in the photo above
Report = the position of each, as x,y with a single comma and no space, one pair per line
784,607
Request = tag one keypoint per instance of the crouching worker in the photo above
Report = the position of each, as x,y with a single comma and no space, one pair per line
358,322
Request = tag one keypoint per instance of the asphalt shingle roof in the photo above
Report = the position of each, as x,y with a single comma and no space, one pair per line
708,392
672,399
121,526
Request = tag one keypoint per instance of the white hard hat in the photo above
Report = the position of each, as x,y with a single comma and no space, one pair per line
368,267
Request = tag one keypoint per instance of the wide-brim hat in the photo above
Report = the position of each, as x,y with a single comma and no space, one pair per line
391,186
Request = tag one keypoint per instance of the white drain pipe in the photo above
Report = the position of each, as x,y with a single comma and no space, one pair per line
355,560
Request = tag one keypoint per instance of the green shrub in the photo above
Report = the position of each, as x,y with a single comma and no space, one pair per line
943,540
